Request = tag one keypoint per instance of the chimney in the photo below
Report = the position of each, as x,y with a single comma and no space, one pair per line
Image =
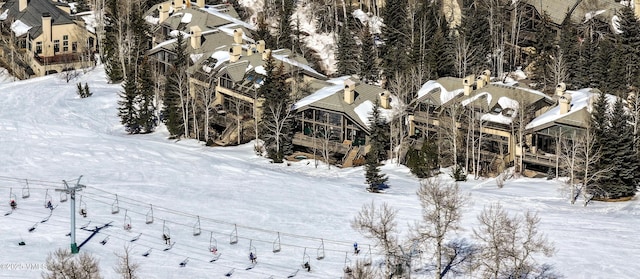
560,89
47,49
177,4
467,83
265,54
22,5
486,74
251,49
480,82
200,3
196,37
349,91
235,52
260,46
565,103
385,101
237,36
164,12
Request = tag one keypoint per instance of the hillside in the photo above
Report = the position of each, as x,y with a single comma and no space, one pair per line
47,134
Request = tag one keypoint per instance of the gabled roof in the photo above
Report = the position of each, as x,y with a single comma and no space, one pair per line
577,116
580,10
32,15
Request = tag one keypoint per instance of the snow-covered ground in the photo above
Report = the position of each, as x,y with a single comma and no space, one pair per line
47,134
5,76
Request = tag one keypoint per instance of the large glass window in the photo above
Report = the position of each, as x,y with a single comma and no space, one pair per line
56,46
38,47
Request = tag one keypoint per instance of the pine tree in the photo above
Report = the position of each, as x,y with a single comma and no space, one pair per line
263,32
284,29
544,47
422,162
146,96
378,140
630,39
346,56
127,105
172,104
624,177
569,45
395,51
276,122
86,91
474,27
111,58
368,58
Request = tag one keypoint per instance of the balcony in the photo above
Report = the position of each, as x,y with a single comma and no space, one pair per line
311,142
67,58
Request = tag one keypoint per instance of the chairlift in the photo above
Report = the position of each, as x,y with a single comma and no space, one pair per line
115,206
83,207
47,199
305,258
63,197
233,237
13,200
149,216
196,228
276,244
213,244
166,233
367,257
104,241
252,249
127,221
320,251
347,264
184,263
25,190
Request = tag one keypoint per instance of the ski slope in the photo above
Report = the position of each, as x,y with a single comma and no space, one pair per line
48,134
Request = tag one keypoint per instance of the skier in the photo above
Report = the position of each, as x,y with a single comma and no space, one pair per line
252,257
49,205
307,266
355,248
167,239
127,227
214,250
83,212
13,204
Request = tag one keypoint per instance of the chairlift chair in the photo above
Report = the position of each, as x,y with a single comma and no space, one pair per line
115,206
166,233
276,244
149,216
305,258
48,200
347,264
252,249
196,228
25,190
320,251
127,221
83,207
213,244
233,237
13,200
63,197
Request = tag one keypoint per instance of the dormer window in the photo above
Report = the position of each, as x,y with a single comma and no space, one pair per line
496,110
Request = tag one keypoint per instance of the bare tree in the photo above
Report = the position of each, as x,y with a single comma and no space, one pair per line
508,244
61,264
558,68
449,119
378,223
126,267
442,204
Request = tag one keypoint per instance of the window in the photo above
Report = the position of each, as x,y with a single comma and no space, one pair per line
65,37
38,47
74,46
56,46
65,46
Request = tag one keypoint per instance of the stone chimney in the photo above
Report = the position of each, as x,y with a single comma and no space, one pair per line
561,88
467,84
164,12
200,3
22,5
251,49
486,74
47,46
480,82
349,91
265,54
196,37
237,36
235,52
385,100
565,103
177,4
260,46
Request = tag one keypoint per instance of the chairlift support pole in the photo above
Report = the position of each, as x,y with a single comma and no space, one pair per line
71,190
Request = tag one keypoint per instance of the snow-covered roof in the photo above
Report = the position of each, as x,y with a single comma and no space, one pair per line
322,93
19,28
4,15
579,101
230,28
89,19
467,101
445,95
214,11
260,70
365,108
151,19
295,63
186,18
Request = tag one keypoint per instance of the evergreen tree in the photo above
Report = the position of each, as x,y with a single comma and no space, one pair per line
624,177
395,51
347,63
111,59
284,28
474,27
545,47
569,45
630,39
368,58
146,96
172,104
616,82
377,140
127,105
422,162
86,91
276,122
263,32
